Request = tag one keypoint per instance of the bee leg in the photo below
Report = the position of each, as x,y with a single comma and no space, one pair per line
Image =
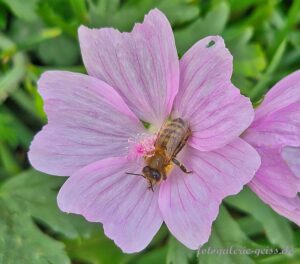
181,166
150,186
164,176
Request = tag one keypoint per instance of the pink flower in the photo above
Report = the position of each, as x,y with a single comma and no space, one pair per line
94,133
275,133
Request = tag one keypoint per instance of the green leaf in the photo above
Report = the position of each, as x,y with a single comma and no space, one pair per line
97,249
178,253
25,101
291,22
10,80
178,11
154,256
54,14
32,196
9,162
60,51
79,8
226,234
101,9
277,228
238,5
22,242
250,226
261,86
202,27
3,20
12,131
260,15
34,37
23,9
283,258
37,193
23,31
249,59
63,11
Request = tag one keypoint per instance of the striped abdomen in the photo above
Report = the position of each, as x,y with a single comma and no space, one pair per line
172,137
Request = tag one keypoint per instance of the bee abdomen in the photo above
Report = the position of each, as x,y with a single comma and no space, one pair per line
179,121
176,126
173,132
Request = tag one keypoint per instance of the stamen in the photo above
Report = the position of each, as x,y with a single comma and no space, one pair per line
141,146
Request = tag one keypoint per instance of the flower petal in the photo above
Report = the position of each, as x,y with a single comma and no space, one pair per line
189,203
283,94
102,192
276,174
87,121
277,119
282,128
291,156
285,206
142,65
277,127
216,110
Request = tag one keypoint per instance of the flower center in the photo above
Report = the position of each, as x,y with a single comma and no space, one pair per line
141,147
157,152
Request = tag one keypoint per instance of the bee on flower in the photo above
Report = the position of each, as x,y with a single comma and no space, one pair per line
131,177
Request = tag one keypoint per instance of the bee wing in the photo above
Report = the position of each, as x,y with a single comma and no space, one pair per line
171,140
170,144
172,147
160,132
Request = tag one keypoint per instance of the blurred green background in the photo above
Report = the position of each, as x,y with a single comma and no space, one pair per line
37,35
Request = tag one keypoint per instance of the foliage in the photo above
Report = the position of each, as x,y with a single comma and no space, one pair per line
37,35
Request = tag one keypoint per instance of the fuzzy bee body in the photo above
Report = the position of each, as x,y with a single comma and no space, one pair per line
172,137
169,142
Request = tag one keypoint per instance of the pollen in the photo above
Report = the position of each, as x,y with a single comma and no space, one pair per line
169,168
142,146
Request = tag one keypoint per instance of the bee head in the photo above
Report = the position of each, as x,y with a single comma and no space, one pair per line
151,173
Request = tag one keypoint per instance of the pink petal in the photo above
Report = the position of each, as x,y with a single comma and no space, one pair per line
216,110
189,203
285,93
291,156
102,192
87,121
277,127
285,206
277,119
142,65
275,174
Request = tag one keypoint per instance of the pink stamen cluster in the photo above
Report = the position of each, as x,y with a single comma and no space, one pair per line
141,146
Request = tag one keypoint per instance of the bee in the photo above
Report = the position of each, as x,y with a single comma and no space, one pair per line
170,140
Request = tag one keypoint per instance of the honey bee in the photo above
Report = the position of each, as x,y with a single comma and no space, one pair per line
170,140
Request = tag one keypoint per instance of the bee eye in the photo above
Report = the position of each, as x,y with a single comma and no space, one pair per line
156,175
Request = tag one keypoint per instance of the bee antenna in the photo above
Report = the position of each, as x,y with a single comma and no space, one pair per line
137,174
